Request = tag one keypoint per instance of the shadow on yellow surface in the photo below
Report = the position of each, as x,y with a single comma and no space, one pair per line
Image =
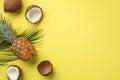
82,39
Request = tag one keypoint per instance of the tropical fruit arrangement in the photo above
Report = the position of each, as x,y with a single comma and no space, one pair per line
16,44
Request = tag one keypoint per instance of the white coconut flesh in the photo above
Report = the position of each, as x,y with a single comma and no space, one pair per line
13,73
34,14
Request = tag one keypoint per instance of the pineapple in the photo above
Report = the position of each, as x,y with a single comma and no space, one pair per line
20,46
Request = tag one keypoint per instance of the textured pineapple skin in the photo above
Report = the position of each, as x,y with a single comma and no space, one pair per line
22,48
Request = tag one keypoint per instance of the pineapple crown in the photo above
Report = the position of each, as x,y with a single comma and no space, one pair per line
6,31
34,35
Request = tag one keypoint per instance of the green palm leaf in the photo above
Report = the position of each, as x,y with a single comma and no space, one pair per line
34,35
6,57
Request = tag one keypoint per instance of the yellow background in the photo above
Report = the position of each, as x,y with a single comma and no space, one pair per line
82,39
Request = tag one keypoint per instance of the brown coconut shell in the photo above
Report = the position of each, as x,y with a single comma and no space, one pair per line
45,68
30,7
12,5
20,72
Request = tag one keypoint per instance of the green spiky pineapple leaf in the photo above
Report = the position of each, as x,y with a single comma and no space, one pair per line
34,35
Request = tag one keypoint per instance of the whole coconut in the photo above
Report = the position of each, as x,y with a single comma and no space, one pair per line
12,6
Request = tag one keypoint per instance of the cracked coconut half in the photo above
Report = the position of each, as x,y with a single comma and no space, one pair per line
13,72
33,13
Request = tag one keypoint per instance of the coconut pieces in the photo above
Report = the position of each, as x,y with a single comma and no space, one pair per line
45,68
13,72
33,13
12,6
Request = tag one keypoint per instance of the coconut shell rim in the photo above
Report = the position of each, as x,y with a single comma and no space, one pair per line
31,6
20,71
45,74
